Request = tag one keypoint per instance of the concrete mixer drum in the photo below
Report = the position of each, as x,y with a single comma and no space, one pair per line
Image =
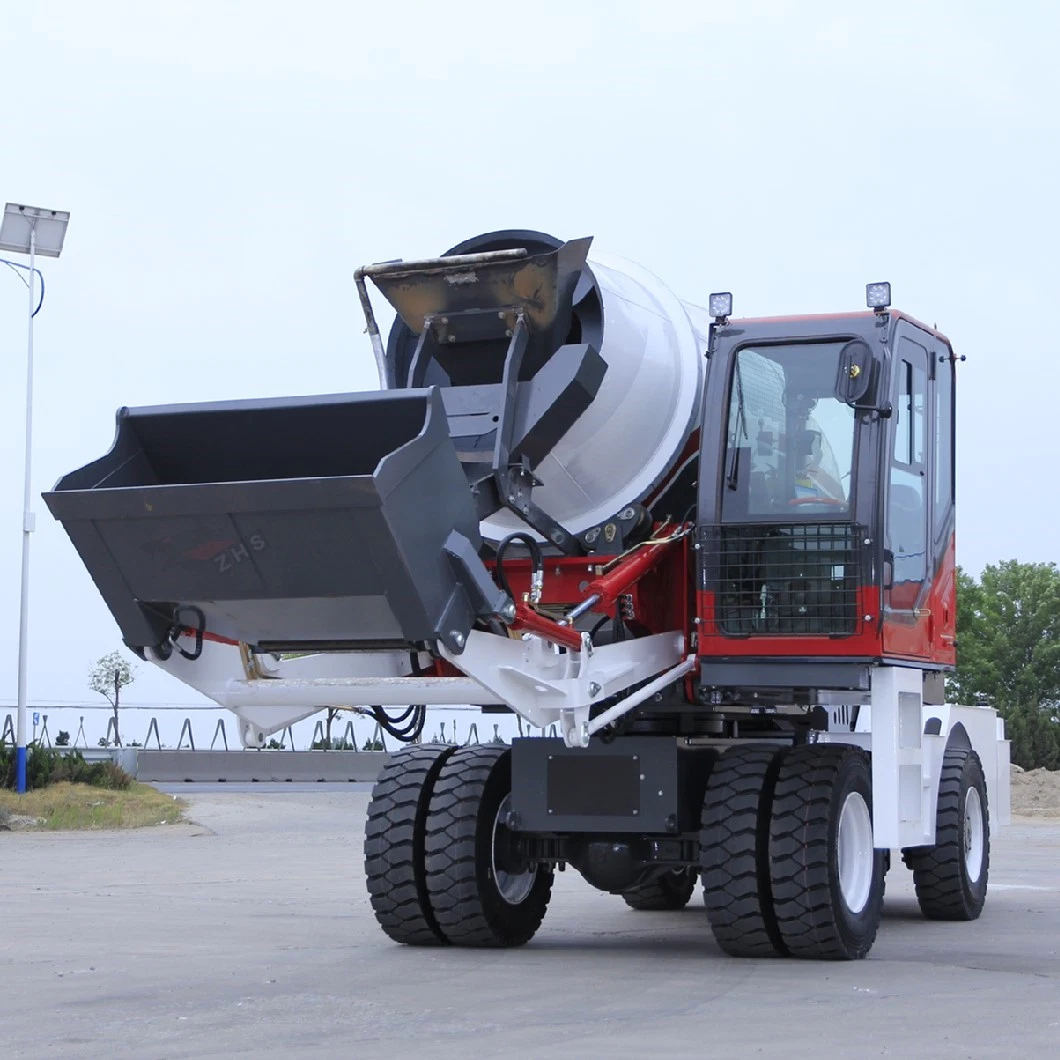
630,444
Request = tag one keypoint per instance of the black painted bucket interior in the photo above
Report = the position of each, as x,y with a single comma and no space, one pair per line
287,522
322,437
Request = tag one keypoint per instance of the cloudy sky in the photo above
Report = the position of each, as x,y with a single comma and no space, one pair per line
229,164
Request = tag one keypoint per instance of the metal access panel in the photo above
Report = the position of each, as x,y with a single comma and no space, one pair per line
636,784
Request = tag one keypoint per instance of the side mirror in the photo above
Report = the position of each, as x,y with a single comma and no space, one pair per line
855,378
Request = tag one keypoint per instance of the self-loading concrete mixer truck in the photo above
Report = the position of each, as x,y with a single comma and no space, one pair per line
714,556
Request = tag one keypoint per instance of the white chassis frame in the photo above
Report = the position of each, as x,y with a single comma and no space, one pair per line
908,740
547,686
542,684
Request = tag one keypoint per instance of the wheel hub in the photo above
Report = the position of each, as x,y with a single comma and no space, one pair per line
855,852
974,834
514,875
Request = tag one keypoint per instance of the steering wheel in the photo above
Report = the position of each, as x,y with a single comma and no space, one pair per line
833,502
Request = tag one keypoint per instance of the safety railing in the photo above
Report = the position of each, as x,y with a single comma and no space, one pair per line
352,738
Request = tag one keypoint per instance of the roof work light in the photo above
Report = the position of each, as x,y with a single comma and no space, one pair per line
720,305
878,295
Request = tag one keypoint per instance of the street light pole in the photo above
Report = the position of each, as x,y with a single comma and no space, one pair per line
29,230
117,693
27,529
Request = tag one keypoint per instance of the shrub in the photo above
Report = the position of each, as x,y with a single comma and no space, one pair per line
46,766
335,744
109,775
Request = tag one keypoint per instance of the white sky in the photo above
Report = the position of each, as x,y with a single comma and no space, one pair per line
229,164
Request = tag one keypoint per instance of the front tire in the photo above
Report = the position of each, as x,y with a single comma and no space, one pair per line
826,878
394,845
481,891
951,877
734,851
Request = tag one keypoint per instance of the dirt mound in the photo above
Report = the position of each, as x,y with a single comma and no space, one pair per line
1035,793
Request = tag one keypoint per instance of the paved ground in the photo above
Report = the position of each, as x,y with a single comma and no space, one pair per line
240,787
249,934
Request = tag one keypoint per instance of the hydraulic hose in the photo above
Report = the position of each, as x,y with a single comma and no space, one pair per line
536,559
407,726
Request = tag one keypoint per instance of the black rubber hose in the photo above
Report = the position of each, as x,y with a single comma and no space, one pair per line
618,627
400,731
406,726
407,733
536,558
401,718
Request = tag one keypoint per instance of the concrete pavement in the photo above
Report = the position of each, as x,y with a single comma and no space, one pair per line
249,933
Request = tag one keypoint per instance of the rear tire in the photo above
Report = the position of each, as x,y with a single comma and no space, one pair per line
826,878
480,891
667,891
394,845
734,851
951,877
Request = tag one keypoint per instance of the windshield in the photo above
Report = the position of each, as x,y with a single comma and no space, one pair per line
790,444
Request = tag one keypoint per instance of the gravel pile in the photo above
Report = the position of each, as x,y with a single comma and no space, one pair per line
1035,793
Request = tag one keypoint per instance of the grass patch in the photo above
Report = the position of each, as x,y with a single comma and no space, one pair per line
80,807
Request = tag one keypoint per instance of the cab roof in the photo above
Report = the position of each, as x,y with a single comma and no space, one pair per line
864,314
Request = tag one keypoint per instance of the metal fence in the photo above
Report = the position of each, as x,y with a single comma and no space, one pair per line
368,735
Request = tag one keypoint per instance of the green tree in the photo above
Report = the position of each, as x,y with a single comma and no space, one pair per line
1008,653
1034,735
1008,635
108,677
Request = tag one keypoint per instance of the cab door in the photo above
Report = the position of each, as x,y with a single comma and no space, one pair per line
942,569
907,522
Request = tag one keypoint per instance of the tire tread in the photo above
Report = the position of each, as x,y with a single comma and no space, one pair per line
452,857
937,874
660,893
394,848
734,849
800,851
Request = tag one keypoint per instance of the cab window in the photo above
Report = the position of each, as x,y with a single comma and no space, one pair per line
907,512
790,442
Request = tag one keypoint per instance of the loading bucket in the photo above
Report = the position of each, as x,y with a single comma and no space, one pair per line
323,522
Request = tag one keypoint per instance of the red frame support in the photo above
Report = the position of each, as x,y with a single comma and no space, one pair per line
617,581
527,618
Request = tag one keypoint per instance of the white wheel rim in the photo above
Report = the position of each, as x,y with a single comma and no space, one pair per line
974,835
855,854
512,886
